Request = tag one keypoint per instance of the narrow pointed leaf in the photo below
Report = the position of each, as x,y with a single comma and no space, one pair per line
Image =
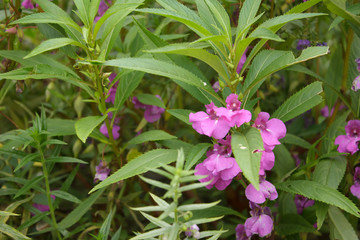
342,225
152,135
85,126
12,232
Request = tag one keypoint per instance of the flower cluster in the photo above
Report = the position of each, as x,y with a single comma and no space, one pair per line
220,167
349,143
152,113
356,82
355,188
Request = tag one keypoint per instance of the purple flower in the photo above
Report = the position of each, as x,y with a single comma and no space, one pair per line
103,7
358,64
266,190
302,202
356,84
193,231
214,123
349,143
241,62
267,162
297,160
355,188
27,4
112,90
216,86
115,128
43,207
260,223
323,44
271,130
152,113
221,169
102,172
224,149
325,111
241,233
238,116
302,44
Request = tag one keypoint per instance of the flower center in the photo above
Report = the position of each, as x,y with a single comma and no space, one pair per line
212,115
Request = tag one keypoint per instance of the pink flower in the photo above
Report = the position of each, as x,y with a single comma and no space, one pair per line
152,113
349,143
355,188
239,116
266,190
216,86
27,4
260,223
214,123
112,90
102,172
193,231
218,168
103,7
241,233
271,130
267,162
115,128
302,202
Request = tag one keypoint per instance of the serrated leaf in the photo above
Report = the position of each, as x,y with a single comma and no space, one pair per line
105,227
145,162
127,84
319,192
295,140
83,11
330,172
294,223
85,126
300,102
247,14
321,210
246,148
74,216
181,114
339,8
342,225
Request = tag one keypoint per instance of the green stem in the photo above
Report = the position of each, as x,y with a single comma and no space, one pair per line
47,185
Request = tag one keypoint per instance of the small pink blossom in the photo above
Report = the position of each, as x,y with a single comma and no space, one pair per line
271,130
355,188
214,123
267,162
356,84
115,128
112,90
43,207
260,222
302,202
193,231
27,4
266,190
241,233
349,143
216,86
102,172
218,168
241,62
238,116
152,113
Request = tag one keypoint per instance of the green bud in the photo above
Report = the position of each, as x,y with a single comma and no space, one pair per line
77,148
49,88
79,105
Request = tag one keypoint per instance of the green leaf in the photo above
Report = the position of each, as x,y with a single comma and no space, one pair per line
247,15
303,6
141,164
150,99
342,225
4,213
61,127
181,114
216,211
66,196
339,8
330,172
127,84
195,154
83,8
221,16
152,135
320,192
321,210
270,61
105,227
295,140
93,9
28,185
13,206
33,220
197,206
275,22
26,159
246,148
53,44
79,211
192,50
65,160
85,126
294,223
12,232
300,102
